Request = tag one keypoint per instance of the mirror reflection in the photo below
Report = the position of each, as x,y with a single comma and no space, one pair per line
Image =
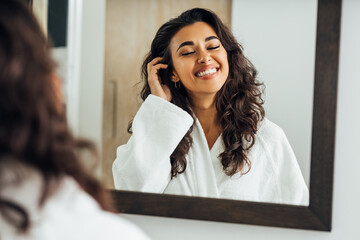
225,169
265,172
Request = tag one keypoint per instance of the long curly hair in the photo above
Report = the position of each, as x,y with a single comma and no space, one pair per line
33,124
238,103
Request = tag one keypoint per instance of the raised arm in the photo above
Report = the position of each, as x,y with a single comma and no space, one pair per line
143,164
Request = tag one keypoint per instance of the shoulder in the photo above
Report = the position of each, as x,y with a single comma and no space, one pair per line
270,132
71,210
271,140
21,184
68,213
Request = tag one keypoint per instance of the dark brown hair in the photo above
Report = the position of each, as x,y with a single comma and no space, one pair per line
238,102
33,124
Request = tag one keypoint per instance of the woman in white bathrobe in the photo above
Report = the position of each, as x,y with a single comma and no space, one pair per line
45,193
201,130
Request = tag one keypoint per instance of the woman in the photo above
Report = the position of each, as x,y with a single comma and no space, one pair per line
201,130
44,191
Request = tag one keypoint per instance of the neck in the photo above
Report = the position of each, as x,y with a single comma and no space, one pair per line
205,110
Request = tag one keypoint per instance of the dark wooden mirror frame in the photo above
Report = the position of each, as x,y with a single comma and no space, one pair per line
316,216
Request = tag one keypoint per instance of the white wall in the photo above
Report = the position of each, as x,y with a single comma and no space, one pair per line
86,69
279,37
92,70
346,207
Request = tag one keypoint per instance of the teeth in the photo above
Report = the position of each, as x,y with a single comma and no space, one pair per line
207,72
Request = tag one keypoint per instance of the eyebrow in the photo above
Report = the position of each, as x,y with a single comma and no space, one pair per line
191,43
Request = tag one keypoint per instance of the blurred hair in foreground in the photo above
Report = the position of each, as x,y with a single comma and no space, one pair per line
33,127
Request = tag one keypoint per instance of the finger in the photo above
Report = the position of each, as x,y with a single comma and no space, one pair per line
150,67
155,61
160,65
153,71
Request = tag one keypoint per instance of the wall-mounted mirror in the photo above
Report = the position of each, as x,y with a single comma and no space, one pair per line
303,105
288,100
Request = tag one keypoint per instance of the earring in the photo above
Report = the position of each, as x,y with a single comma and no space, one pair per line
177,84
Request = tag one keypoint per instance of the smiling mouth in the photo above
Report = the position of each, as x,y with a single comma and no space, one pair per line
207,72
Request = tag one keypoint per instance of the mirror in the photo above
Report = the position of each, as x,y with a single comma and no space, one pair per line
315,216
287,94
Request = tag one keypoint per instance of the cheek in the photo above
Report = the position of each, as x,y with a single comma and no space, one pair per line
181,65
222,57
225,62
183,68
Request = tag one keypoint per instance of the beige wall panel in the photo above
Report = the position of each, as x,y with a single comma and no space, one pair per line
130,28
40,10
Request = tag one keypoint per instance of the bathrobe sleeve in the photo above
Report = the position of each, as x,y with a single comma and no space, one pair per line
143,164
290,182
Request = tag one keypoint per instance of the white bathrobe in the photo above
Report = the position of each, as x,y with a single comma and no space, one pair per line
143,164
69,213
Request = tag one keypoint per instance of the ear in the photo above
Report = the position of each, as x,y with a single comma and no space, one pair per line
175,77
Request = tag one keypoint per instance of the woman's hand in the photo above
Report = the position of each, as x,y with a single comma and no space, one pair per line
156,88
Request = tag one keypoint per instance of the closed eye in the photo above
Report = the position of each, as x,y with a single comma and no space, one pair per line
211,48
187,53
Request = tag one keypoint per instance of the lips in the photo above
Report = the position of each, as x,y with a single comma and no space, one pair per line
206,72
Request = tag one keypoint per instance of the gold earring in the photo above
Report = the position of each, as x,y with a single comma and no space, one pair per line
177,84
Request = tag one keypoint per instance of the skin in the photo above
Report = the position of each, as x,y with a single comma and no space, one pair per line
196,49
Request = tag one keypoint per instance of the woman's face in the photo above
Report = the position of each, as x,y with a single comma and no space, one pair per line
199,59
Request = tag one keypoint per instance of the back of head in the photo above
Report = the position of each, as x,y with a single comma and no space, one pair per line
29,106
33,125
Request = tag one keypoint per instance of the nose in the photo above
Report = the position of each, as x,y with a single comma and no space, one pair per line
204,57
